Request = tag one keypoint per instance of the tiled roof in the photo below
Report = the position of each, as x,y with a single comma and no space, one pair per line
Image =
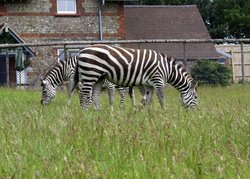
169,22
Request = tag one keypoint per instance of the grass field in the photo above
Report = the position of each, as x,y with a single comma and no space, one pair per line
60,141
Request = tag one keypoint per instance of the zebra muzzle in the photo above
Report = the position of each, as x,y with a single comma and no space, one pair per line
43,103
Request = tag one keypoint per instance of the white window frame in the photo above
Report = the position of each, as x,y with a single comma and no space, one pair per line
70,53
66,11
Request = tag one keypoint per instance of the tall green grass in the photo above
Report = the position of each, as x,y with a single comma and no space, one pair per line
64,141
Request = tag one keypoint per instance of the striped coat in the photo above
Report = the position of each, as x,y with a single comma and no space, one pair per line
134,67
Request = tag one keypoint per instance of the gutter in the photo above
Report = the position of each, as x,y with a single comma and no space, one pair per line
100,19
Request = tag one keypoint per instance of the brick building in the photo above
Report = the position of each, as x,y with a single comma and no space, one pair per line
57,20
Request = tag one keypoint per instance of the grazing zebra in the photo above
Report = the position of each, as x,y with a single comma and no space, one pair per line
134,67
60,72
67,71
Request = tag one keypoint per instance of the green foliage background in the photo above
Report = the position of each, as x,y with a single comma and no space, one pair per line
210,72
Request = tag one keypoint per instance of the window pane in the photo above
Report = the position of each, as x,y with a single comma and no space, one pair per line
60,53
66,6
74,53
61,5
71,6
70,53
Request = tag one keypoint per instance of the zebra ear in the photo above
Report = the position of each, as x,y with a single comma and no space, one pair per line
41,78
43,82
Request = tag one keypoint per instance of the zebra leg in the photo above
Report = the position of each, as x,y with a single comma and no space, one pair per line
149,94
160,94
85,94
97,94
144,96
111,93
71,87
122,92
131,92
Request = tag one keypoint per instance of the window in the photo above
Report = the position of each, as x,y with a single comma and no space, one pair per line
21,77
66,6
70,53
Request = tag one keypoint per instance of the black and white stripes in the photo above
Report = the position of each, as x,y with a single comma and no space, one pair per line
67,71
60,72
134,67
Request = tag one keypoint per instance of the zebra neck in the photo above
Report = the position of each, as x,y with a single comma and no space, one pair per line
178,78
58,76
65,71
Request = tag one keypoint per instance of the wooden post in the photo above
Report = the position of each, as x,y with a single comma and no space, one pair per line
65,53
232,63
185,53
7,68
242,62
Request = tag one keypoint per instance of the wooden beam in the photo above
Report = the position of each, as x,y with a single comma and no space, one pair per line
242,62
7,68
185,54
62,43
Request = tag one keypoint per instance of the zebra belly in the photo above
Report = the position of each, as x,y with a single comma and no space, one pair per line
144,82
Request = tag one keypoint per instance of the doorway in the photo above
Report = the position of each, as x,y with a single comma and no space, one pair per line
7,70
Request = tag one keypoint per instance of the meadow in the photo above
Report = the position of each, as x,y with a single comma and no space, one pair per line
60,141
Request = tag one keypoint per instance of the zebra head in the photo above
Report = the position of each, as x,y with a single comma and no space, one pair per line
48,92
189,96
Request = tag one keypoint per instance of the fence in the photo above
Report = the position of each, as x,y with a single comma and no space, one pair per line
235,50
80,44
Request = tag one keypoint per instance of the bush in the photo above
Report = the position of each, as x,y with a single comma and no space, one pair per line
210,72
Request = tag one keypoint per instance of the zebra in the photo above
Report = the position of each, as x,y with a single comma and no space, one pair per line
134,67
67,71
60,72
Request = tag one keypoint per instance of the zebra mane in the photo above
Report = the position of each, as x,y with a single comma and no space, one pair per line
181,69
53,66
49,76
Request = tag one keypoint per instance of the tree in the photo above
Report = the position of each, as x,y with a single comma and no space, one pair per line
229,18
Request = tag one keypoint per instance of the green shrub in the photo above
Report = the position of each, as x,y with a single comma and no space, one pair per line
210,72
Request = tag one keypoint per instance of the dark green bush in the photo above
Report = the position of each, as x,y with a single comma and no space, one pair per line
210,72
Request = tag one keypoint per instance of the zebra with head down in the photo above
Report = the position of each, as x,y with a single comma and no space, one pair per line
62,71
67,71
134,67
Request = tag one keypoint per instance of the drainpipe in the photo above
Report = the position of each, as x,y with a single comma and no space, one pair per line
100,19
